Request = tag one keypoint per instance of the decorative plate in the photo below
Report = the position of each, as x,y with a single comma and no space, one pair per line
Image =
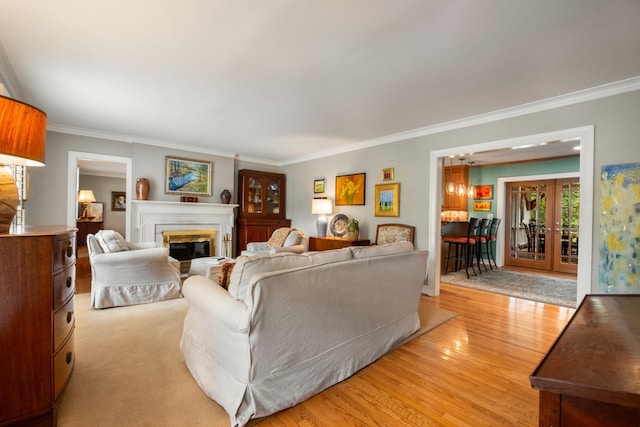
339,225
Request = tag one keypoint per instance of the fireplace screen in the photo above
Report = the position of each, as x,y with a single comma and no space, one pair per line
185,245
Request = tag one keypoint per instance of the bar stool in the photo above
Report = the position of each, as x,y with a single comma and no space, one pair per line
493,238
483,243
465,247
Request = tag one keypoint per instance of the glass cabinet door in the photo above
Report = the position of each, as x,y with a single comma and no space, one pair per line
254,196
273,196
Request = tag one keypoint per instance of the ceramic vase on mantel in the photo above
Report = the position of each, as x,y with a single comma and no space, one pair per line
225,196
142,188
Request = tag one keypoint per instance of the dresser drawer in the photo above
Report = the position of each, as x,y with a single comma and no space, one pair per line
64,253
63,362
63,322
64,284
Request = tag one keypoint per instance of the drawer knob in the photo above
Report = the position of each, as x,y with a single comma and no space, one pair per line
69,316
69,250
69,281
69,357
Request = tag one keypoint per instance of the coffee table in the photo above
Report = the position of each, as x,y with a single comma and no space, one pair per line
209,267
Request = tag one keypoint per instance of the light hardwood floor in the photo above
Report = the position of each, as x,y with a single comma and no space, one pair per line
472,371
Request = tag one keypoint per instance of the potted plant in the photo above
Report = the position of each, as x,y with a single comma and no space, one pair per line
353,230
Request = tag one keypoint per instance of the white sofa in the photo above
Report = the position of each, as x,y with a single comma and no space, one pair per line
292,325
125,273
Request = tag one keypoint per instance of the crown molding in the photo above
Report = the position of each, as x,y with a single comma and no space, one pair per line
111,136
598,92
585,95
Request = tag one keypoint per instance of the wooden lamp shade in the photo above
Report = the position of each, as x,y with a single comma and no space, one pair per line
22,142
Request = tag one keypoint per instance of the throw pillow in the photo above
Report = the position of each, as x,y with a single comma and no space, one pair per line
225,274
111,241
293,238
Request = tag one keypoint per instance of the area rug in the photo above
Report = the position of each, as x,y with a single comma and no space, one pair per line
129,371
534,287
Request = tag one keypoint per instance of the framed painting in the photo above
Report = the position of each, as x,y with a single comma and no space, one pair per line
96,211
387,200
483,192
190,177
350,189
481,206
118,201
319,186
387,174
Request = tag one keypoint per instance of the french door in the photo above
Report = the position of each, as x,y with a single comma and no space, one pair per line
543,224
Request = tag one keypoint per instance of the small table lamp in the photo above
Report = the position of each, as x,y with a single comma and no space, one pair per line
23,134
321,207
85,197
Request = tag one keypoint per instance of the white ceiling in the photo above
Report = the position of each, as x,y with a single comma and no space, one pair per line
280,80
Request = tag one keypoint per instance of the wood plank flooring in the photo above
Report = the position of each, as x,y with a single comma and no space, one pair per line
472,371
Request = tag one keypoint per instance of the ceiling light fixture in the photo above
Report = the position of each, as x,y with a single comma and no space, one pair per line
471,189
451,186
461,190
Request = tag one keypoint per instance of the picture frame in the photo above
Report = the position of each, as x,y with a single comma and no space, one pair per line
319,186
96,211
481,206
483,192
118,201
387,174
350,189
387,199
188,176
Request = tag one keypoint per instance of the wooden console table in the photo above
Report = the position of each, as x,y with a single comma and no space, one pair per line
590,375
327,243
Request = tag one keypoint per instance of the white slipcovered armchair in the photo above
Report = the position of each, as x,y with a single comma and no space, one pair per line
283,239
124,273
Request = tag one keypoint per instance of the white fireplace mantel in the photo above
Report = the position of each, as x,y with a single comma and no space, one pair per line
151,218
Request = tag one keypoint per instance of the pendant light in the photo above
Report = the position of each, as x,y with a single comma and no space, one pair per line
451,186
461,189
471,189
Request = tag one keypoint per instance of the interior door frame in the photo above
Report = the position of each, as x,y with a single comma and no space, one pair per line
72,183
585,250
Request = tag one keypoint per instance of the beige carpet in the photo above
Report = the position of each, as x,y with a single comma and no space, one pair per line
129,371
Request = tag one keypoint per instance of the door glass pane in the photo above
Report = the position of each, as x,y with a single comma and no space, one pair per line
273,197
569,223
528,228
254,204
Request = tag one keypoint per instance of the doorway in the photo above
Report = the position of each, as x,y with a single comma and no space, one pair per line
543,218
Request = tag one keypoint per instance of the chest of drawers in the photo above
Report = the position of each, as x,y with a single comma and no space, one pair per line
37,321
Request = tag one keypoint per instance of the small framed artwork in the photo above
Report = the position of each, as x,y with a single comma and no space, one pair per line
190,177
387,174
483,192
118,201
387,200
95,211
481,206
319,185
350,189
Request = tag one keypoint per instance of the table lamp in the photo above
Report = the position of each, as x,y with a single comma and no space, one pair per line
85,197
322,208
23,134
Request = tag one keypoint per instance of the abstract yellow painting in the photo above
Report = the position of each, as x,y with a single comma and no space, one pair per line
620,229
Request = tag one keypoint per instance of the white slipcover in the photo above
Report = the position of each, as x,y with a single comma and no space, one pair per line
141,274
299,330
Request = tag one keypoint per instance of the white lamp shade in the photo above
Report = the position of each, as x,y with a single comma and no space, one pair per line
86,196
321,206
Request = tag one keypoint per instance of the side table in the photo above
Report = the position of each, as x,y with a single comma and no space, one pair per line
327,243
210,267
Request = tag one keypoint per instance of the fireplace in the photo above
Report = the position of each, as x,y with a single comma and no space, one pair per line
185,245
152,219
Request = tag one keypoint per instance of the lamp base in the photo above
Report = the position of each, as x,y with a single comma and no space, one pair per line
8,199
321,224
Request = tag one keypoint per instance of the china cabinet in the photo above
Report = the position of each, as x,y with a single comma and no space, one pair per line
262,206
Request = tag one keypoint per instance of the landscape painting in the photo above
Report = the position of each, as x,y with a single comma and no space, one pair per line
184,176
